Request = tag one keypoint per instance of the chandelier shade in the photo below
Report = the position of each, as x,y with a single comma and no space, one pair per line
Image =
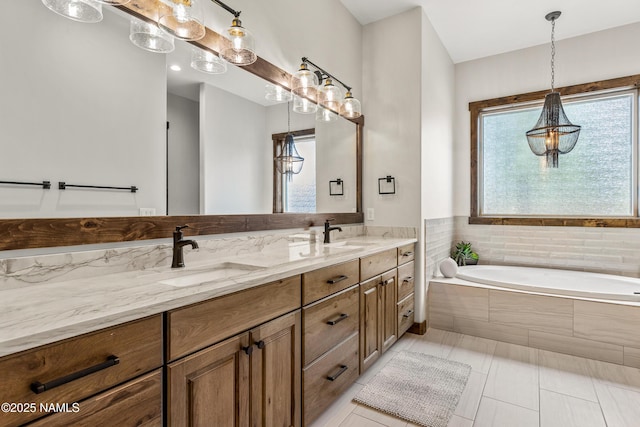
149,37
207,62
183,19
240,48
330,96
304,82
351,107
303,105
87,11
289,162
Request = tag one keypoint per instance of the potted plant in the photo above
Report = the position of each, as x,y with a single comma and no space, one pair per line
464,255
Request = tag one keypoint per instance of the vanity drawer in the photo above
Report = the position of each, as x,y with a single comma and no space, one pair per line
375,264
406,253
200,325
406,280
135,403
329,280
328,322
405,314
116,354
328,377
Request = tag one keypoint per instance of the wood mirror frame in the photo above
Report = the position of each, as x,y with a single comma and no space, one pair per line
27,233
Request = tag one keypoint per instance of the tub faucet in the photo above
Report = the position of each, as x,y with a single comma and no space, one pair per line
178,244
328,229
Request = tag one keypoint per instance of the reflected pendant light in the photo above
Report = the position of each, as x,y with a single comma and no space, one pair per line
289,162
325,115
207,62
553,133
277,93
240,48
183,19
330,96
88,11
149,37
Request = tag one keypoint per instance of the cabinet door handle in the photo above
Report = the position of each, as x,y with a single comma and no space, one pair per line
409,253
407,279
337,279
386,282
248,349
341,371
37,387
408,313
338,320
260,344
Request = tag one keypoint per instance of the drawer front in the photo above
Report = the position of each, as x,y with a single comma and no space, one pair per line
135,403
406,280
406,253
328,322
197,326
326,281
136,345
328,377
405,315
375,264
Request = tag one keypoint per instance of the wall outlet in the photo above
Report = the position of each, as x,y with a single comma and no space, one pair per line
147,211
370,214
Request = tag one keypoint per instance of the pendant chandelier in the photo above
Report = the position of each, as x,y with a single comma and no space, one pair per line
289,162
553,133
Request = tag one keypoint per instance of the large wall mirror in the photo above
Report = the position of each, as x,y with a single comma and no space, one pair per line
84,106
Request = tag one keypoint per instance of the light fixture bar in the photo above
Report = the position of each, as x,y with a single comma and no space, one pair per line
324,72
227,8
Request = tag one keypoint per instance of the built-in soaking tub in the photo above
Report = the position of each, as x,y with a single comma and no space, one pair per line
584,314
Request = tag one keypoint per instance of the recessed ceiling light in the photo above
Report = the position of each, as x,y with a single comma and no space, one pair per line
175,67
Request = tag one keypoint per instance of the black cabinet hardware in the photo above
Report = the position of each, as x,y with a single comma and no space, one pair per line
341,371
338,320
248,349
38,387
409,313
337,279
407,279
409,253
260,344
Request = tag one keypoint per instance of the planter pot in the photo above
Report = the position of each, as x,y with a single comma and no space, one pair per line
470,261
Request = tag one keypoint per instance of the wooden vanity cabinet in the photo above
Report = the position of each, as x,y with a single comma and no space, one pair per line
405,309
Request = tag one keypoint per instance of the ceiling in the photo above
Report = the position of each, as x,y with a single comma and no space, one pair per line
472,29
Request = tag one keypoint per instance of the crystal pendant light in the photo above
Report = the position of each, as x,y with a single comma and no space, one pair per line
183,19
241,47
305,82
149,37
207,62
330,96
88,11
350,108
553,133
277,93
289,162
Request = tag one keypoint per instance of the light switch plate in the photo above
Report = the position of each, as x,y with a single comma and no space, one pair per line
370,214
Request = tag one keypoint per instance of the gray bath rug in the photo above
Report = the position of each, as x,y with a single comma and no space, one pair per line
417,387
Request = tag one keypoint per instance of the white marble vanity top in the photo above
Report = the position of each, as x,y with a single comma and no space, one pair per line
37,314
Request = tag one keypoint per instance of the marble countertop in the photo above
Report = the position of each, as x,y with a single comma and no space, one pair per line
55,310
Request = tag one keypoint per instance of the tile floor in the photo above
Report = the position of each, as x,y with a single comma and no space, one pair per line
511,386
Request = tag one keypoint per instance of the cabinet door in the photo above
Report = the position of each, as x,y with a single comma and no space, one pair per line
275,373
211,387
370,323
388,309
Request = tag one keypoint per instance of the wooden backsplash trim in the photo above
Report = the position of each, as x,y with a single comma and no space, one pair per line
42,233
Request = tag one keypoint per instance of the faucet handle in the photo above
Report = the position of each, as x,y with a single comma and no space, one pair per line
330,219
180,227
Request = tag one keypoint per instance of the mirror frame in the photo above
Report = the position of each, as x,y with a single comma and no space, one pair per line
29,233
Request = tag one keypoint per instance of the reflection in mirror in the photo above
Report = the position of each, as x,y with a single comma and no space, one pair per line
83,105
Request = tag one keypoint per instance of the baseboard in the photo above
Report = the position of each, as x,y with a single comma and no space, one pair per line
418,328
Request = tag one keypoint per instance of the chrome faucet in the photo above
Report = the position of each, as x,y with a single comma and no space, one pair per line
328,229
178,244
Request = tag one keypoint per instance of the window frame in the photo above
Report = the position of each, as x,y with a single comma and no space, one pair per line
532,98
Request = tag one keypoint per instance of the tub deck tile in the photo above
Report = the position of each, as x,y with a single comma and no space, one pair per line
576,346
610,323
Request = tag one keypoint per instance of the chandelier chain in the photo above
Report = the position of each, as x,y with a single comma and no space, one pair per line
553,53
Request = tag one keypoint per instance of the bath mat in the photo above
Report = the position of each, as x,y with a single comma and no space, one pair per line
417,387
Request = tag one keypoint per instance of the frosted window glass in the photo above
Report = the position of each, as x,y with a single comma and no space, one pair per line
594,179
300,192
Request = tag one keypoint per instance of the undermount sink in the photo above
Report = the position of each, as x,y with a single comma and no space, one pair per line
351,244
226,270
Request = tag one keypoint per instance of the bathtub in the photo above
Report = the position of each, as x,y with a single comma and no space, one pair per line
552,281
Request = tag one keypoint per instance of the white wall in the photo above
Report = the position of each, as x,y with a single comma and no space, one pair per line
183,166
597,56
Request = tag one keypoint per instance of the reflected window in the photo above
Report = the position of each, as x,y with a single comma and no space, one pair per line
299,193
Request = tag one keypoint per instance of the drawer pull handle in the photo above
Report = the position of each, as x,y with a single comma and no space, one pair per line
341,371
248,349
260,344
386,282
38,387
338,320
409,313
337,279
408,253
407,279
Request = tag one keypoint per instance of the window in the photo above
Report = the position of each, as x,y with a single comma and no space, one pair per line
597,179
300,193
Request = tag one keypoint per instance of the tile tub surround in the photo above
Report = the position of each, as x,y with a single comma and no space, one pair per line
91,291
595,329
439,238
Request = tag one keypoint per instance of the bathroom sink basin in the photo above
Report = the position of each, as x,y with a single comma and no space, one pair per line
226,270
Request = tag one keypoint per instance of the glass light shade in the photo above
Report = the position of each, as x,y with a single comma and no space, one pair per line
303,105
305,82
553,133
114,2
149,37
207,62
330,96
183,19
88,11
277,93
325,115
240,48
289,162
350,108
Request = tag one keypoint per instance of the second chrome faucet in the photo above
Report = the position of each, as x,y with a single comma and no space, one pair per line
178,243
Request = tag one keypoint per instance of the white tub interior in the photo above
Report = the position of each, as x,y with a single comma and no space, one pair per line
552,281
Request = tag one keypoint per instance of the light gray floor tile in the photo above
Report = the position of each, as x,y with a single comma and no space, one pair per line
566,374
474,351
494,413
560,410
